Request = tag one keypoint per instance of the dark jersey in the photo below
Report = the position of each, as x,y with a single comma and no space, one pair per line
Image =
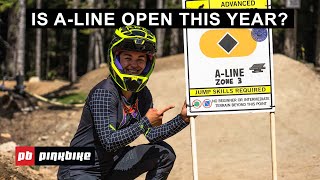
109,123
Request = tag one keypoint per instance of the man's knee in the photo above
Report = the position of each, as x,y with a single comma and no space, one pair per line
170,155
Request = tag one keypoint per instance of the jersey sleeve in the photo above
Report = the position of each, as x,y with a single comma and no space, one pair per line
103,106
172,127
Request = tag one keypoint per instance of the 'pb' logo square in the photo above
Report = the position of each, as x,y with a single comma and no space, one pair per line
25,156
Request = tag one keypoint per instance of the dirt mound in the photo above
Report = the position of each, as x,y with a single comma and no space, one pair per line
45,127
89,80
9,171
229,146
40,88
169,62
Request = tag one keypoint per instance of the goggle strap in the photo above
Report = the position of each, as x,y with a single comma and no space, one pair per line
148,67
117,63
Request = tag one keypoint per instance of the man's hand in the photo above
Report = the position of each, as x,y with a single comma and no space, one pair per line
183,113
155,116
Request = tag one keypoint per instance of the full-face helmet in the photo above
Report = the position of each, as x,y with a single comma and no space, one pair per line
131,38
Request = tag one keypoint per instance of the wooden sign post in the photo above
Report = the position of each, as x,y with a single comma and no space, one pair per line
194,148
273,145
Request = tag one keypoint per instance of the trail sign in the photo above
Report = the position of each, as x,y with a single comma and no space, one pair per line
228,70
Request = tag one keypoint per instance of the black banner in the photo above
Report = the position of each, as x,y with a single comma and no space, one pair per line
64,155
160,18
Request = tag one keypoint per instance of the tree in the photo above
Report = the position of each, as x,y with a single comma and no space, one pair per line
9,42
118,3
290,39
11,54
5,45
160,33
96,40
73,59
142,4
317,53
90,65
38,46
21,38
174,36
99,34
290,43
50,51
98,47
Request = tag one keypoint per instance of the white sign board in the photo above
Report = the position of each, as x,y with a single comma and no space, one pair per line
228,70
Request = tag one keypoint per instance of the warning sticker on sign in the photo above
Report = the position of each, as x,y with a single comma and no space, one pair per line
228,70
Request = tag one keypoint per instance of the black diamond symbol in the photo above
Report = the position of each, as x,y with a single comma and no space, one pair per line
228,43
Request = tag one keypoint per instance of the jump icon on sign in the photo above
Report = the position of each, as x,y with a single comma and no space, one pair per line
257,68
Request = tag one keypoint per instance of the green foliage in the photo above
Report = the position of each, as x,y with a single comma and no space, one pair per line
172,5
277,31
37,168
73,98
86,31
52,75
111,5
276,3
30,74
6,4
30,3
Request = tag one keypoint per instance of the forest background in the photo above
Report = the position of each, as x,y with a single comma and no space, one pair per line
67,54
